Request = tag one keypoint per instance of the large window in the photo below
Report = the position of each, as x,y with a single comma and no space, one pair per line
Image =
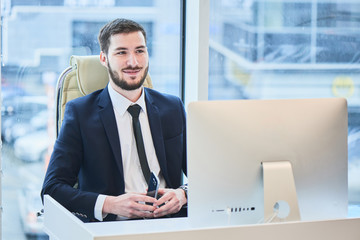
37,39
266,49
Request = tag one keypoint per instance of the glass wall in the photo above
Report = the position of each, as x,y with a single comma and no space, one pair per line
37,39
268,49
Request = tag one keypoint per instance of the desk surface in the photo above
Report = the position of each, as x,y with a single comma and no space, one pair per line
179,229
61,224
139,226
182,224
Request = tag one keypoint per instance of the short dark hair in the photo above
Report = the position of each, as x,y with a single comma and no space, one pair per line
117,26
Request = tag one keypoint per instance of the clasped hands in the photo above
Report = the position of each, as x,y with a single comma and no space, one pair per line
132,205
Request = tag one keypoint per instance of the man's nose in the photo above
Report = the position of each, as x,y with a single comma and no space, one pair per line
132,60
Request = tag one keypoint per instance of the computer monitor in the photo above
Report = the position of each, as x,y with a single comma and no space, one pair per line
229,142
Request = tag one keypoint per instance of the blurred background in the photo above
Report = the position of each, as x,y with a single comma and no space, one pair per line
259,49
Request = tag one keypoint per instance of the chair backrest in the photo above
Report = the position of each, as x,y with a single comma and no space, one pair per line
84,75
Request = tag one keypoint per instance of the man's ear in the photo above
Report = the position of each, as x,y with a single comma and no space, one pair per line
103,59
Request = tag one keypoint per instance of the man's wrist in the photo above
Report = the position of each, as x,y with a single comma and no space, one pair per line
185,189
107,207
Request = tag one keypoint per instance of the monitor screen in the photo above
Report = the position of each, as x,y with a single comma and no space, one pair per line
228,142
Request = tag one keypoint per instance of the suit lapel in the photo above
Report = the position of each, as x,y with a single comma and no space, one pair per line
156,132
109,122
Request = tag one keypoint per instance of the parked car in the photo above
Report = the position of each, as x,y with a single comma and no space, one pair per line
19,110
32,147
15,130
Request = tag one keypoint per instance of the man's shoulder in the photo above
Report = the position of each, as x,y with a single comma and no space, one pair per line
157,96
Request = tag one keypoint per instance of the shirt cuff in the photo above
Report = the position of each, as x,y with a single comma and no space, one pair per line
98,208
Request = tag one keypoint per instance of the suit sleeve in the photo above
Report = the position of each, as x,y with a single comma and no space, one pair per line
64,167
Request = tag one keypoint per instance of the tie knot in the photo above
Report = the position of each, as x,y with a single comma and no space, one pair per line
134,110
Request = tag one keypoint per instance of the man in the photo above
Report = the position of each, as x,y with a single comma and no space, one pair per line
96,147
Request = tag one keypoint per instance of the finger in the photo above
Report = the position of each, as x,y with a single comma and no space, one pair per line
164,199
144,207
165,210
140,214
137,203
143,198
162,191
136,210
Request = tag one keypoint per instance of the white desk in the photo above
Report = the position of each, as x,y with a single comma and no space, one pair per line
60,224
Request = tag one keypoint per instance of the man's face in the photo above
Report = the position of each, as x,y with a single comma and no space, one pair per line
128,60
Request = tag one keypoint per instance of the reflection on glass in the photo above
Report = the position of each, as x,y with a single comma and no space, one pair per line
289,49
38,38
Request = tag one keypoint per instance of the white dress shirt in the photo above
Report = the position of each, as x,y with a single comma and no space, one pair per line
133,175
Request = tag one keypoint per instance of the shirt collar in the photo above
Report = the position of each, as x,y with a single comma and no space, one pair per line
121,103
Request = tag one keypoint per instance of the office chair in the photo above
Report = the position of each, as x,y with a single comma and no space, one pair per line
84,75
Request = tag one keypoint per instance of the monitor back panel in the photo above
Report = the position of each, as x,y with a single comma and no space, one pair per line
228,140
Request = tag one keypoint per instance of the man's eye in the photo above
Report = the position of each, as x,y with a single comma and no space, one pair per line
140,51
121,53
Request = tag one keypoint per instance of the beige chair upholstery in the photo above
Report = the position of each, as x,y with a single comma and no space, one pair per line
84,75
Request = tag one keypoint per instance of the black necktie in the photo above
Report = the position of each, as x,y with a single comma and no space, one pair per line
134,111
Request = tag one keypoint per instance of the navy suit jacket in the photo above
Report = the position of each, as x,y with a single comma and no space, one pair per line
87,150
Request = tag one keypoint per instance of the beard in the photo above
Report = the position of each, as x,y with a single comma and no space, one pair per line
122,83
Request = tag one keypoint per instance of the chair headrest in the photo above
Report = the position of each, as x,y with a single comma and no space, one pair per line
92,75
